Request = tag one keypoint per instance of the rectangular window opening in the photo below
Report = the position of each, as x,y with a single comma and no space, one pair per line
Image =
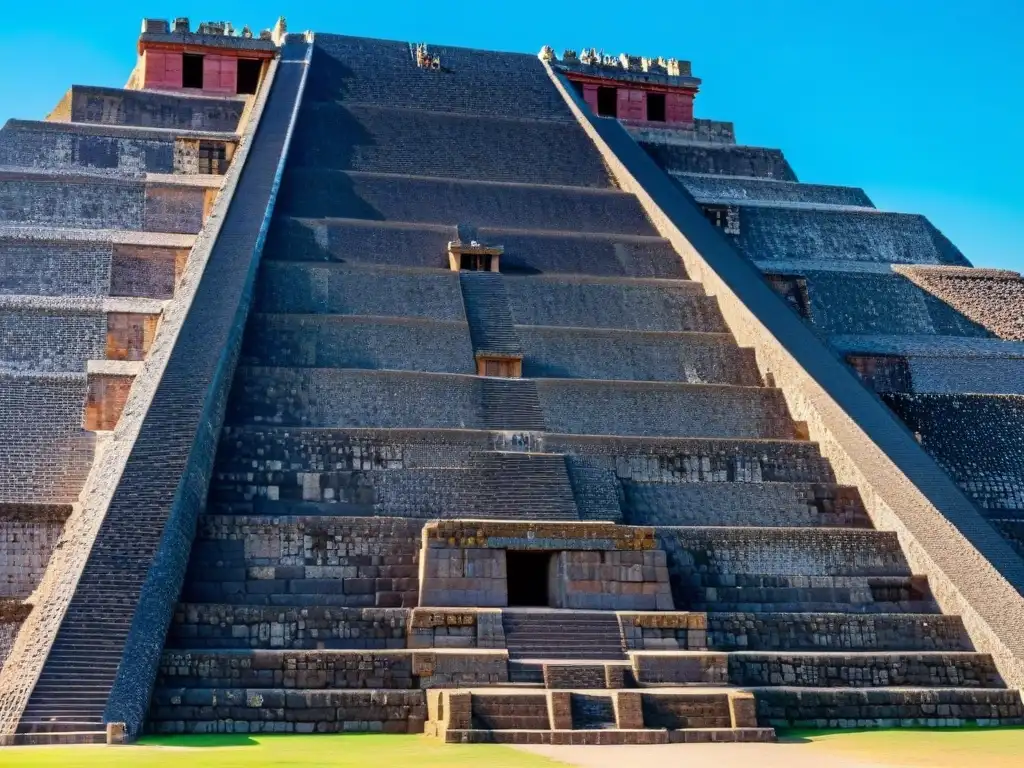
656,107
577,86
192,70
248,75
608,101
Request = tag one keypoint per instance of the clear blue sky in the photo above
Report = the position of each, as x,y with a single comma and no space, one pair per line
920,102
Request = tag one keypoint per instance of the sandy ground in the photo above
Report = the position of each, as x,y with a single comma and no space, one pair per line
710,755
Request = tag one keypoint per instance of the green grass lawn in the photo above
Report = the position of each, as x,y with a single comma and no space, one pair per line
934,748
899,748
343,751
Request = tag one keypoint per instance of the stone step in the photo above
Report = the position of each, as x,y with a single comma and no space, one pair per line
613,737
66,718
552,634
45,725
511,404
488,147
415,200
864,670
491,328
526,672
526,485
314,243
41,738
592,712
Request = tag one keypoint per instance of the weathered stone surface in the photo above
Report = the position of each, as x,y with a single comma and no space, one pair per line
318,597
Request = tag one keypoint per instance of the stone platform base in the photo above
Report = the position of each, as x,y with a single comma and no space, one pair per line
785,707
612,737
526,715
54,739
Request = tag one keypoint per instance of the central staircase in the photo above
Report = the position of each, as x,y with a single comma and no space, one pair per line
511,404
523,486
549,634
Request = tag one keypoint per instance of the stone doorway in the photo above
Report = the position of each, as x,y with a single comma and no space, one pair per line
528,576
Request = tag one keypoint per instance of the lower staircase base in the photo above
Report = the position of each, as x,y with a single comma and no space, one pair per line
42,739
609,737
528,715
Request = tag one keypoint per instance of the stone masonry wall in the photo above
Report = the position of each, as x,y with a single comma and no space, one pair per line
835,632
26,543
991,298
145,271
640,306
49,339
737,189
357,70
89,203
211,626
34,268
113,106
46,454
318,193
595,566
340,398
39,145
864,708
691,358
701,460
356,562
739,504
12,614
344,290
768,234
371,343
844,302
654,409
383,139
424,245
721,160
977,439
212,710
864,670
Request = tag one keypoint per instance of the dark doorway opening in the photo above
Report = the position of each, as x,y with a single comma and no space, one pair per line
191,70
577,86
527,574
656,107
248,75
608,101
475,262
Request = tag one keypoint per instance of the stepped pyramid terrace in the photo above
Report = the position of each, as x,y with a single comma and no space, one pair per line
365,385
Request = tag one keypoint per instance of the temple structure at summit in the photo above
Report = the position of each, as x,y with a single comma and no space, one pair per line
365,385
